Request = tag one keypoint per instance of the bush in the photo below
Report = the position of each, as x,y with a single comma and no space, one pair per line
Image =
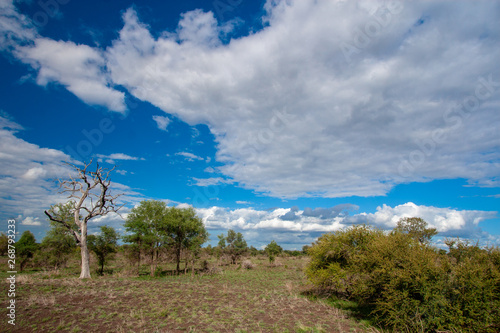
407,284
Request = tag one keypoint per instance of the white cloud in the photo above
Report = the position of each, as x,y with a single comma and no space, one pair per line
308,224
294,117
211,181
190,156
27,174
162,122
29,220
447,221
80,68
330,98
15,28
117,156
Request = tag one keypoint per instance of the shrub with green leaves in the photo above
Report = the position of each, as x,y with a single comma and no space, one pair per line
273,249
409,285
26,247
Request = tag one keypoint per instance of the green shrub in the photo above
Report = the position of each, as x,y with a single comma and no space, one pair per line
408,285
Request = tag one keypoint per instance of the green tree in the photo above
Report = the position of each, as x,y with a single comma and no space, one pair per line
4,244
416,228
186,232
104,245
406,284
234,244
253,251
147,230
273,250
59,242
26,247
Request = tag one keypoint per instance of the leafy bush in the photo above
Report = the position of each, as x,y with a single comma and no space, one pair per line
273,249
408,285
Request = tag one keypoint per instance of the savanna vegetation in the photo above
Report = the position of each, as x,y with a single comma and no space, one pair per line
406,285
159,277
202,292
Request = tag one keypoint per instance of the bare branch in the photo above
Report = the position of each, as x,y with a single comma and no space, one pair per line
73,232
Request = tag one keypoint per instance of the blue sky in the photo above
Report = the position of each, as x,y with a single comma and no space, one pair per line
279,119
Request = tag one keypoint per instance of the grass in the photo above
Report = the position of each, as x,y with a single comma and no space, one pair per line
262,299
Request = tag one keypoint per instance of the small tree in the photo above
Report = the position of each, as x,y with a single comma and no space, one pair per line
234,245
253,251
416,228
146,228
26,247
58,243
273,250
186,232
104,245
89,194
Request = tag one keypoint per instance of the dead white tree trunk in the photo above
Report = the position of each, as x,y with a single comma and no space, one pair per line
90,195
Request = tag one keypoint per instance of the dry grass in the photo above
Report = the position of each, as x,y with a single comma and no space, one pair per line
262,299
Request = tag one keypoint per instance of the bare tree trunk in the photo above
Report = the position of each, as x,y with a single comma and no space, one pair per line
192,266
85,253
178,257
139,263
152,271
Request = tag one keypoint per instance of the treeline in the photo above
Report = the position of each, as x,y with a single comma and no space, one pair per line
154,234
406,284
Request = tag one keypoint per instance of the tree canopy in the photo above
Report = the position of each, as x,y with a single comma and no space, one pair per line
416,228
273,250
25,248
233,244
152,226
104,245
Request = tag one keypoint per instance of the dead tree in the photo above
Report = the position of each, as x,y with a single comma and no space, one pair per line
89,193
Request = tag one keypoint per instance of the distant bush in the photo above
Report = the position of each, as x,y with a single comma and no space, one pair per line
408,285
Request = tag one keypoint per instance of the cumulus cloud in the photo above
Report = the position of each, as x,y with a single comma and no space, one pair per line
162,122
80,68
211,181
117,156
29,220
189,156
15,28
27,179
330,98
447,221
27,173
295,115
293,224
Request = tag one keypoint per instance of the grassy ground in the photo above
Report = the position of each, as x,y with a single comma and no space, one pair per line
262,299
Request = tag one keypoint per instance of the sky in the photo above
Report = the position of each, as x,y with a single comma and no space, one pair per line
278,119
